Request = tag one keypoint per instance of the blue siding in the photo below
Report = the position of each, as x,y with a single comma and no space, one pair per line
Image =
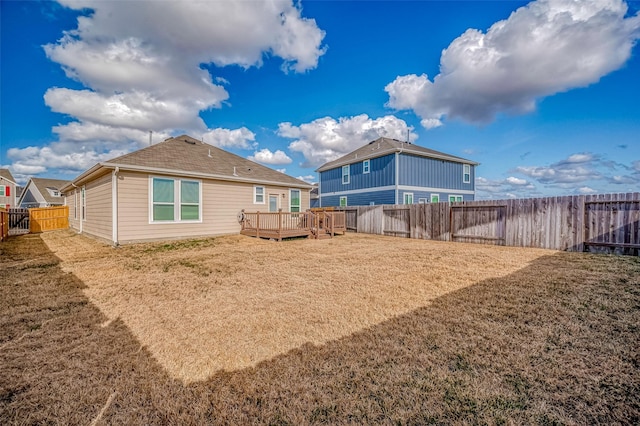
444,195
313,203
361,199
433,173
382,173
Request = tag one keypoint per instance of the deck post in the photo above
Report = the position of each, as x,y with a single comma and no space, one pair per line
258,225
279,224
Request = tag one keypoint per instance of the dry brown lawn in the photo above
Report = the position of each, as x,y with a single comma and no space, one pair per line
357,329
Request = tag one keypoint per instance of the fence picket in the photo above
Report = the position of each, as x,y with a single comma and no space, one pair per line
600,223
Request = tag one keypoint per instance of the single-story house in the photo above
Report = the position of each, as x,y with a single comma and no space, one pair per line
179,188
42,192
389,171
7,189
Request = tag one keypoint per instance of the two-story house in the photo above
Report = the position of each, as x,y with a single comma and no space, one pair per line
42,192
388,171
7,189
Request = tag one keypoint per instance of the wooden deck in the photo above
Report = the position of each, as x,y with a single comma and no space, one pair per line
316,225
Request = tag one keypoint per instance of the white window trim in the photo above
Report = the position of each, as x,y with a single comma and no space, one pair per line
345,201
75,205
291,199
455,198
347,175
422,201
434,195
176,200
404,197
255,194
366,167
466,177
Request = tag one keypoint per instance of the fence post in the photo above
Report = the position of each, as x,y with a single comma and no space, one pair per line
258,224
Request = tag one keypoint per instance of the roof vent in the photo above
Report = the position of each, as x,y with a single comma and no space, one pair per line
190,142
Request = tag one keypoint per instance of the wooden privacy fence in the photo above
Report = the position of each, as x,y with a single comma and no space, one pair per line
48,218
4,224
601,223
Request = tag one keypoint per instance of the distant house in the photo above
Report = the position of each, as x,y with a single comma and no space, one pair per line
7,189
388,171
314,200
178,188
41,192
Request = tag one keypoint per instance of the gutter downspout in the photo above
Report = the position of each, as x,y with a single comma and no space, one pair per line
76,201
114,206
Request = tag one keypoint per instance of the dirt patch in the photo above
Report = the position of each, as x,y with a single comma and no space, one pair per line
555,342
232,302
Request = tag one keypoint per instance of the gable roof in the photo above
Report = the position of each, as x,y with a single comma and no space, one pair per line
41,185
385,146
5,173
186,156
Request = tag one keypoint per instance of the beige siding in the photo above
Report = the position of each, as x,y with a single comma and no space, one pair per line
98,207
11,200
74,216
221,203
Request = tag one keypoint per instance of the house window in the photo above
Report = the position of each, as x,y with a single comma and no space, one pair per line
365,167
345,174
83,199
5,190
258,195
422,201
454,198
466,173
165,192
294,197
372,203
343,201
189,200
435,198
75,204
408,198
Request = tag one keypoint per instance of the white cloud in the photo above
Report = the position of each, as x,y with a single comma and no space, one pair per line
265,156
636,165
227,138
511,187
543,48
141,67
585,190
516,181
308,178
281,170
326,139
33,160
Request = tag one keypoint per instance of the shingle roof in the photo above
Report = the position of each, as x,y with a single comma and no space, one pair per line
5,173
42,184
384,146
186,154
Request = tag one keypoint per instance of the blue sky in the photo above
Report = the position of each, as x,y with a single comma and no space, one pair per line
543,94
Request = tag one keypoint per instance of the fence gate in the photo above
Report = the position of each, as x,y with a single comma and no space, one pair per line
612,226
479,224
18,221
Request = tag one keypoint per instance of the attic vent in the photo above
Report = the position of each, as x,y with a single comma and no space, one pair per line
190,142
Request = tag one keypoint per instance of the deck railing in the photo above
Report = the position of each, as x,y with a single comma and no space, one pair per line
291,224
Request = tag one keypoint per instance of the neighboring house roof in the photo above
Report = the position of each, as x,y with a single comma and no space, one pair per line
5,173
385,146
314,191
41,185
184,155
